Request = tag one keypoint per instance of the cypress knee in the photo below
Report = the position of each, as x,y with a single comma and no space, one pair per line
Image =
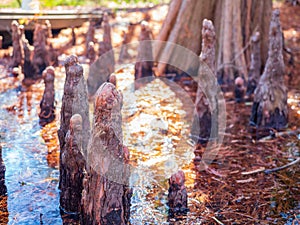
101,69
74,101
73,164
269,110
90,35
255,64
40,58
206,98
91,53
177,196
106,195
47,113
144,62
18,52
127,36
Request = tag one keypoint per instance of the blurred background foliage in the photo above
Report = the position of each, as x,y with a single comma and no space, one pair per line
54,3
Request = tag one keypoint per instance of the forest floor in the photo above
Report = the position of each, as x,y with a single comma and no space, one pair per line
237,188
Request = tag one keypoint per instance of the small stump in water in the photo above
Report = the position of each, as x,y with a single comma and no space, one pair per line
47,113
106,195
269,110
73,163
177,197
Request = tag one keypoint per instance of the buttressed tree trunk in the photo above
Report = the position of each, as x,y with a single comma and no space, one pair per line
74,101
106,196
235,22
270,98
206,99
73,162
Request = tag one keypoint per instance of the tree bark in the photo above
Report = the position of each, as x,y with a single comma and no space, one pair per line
270,109
106,195
73,167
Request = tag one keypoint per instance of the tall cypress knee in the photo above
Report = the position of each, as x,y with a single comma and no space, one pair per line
206,99
270,109
106,195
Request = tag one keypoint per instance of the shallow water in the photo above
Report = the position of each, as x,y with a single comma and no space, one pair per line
30,152
31,161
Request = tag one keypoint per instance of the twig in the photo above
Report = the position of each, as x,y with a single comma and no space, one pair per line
261,169
280,134
282,167
218,221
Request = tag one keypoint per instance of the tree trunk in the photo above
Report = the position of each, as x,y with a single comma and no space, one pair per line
235,22
106,196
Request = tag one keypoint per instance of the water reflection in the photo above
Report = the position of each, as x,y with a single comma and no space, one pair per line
31,157
155,129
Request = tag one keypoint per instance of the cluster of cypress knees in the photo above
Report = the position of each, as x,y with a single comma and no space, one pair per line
94,169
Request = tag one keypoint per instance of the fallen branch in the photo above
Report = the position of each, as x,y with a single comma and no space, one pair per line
282,167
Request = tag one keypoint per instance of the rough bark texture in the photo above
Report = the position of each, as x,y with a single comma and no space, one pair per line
40,55
235,22
205,103
74,101
127,37
270,98
177,196
106,195
47,113
73,163
101,69
3,189
255,64
18,52
91,53
143,65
